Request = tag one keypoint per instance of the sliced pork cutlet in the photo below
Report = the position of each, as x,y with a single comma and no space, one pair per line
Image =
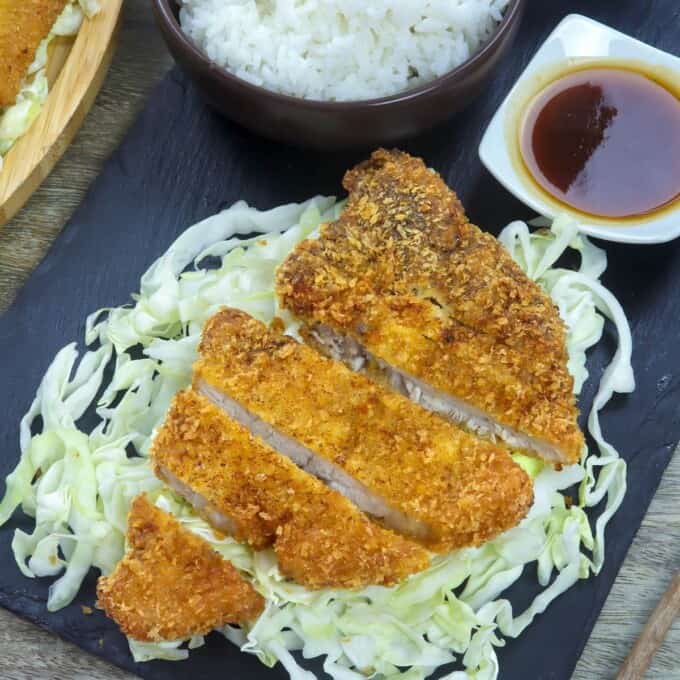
417,473
23,26
402,286
244,487
171,584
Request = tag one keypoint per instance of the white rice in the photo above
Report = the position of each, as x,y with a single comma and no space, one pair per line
340,49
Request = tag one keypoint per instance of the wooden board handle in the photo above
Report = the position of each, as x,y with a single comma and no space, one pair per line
655,630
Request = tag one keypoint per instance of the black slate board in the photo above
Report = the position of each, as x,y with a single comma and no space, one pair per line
181,163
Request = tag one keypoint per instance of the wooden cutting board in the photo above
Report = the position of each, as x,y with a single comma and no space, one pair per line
76,71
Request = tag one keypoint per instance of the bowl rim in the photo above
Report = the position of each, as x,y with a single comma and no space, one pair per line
166,17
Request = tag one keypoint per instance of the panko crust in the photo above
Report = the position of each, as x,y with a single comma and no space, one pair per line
23,25
405,274
320,538
171,584
464,489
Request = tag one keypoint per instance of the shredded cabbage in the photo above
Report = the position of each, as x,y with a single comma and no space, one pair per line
78,486
16,119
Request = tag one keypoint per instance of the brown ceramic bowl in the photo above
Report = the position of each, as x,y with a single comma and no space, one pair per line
337,125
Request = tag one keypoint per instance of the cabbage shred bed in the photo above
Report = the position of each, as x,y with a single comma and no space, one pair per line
78,485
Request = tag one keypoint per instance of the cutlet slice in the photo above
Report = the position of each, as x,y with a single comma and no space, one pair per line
171,584
417,473
244,487
23,26
403,287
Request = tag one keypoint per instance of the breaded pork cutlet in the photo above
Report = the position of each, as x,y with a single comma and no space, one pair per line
403,287
171,584
417,473
245,488
23,26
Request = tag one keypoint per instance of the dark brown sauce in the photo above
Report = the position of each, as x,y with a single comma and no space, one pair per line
605,141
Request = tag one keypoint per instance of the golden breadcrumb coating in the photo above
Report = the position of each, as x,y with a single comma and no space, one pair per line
171,584
23,25
464,489
320,538
405,274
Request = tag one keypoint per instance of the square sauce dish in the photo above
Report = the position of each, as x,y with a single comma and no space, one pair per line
592,129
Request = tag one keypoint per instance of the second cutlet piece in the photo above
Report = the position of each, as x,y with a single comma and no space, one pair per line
245,488
419,474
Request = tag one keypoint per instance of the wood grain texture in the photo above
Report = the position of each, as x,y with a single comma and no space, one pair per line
28,653
75,74
654,633
652,560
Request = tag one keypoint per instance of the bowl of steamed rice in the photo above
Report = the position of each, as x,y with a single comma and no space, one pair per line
333,74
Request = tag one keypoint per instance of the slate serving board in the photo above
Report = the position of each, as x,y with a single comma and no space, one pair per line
181,163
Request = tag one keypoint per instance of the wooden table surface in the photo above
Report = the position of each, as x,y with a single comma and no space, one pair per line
27,652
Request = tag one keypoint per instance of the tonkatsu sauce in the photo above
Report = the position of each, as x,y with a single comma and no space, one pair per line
605,141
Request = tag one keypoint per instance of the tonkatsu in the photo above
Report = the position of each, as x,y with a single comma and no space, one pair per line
417,473
403,287
171,584
23,26
245,488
